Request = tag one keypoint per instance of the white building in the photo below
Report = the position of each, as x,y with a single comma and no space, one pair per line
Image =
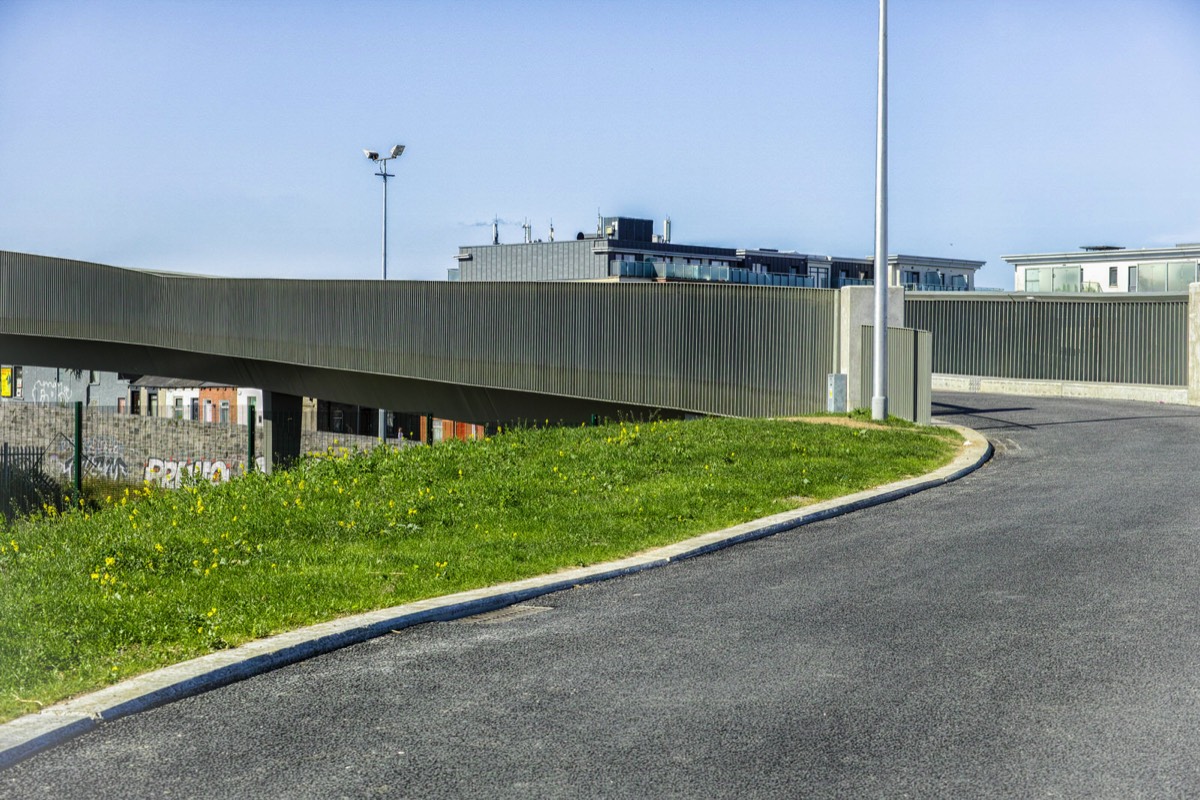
1108,269
926,273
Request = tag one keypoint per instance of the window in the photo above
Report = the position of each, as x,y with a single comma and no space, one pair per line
178,408
1112,276
1033,280
195,409
1179,275
1133,284
1152,277
1066,279
225,412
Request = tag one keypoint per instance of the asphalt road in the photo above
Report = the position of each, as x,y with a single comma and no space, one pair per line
1030,630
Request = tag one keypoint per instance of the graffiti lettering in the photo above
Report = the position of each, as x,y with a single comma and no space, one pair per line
171,474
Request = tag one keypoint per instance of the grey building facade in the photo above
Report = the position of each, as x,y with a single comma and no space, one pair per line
627,249
54,386
624,248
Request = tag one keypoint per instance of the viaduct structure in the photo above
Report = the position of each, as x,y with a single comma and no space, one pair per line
480,352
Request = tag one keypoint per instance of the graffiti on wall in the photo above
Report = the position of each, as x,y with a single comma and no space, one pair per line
173,473
102,457
50,392
105,457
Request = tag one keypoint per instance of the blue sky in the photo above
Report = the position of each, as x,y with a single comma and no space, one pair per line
226,137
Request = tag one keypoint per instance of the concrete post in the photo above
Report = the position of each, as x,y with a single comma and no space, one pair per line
857,308
1193,345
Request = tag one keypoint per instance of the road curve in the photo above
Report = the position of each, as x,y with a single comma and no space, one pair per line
1030,629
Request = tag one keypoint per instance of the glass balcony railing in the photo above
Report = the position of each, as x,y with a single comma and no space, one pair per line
934,287
704,273
912,287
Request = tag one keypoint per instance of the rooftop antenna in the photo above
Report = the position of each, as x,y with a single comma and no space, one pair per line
599,222
495,230
667,229
528,231
552,230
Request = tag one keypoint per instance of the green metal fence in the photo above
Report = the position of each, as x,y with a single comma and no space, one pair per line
910,379
1129,338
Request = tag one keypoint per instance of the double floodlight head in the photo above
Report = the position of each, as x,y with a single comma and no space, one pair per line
396,151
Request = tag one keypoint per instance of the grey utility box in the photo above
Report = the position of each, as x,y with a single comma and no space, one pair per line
835,394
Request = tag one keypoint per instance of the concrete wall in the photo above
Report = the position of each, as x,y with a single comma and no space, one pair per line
857,308
1193,394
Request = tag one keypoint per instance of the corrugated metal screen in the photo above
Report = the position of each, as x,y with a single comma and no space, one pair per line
910,379
737,350
1130,339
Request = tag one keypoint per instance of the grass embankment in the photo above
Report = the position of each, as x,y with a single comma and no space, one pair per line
153,578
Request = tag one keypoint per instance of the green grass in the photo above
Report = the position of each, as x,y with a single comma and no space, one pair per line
155,577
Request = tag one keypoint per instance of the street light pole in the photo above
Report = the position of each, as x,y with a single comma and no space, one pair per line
879,400
396,152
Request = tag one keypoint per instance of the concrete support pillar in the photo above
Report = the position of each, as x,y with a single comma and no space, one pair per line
283,415
1193,345
857,308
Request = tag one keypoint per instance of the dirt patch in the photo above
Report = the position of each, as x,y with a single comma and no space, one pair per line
845,422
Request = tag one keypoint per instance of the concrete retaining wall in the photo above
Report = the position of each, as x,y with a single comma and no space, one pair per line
1034,388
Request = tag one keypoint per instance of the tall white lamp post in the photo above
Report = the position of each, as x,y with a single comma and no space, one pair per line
879,400
396,152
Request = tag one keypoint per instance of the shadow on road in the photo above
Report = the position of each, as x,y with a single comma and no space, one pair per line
942,409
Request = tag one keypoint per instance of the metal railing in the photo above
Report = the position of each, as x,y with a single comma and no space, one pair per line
1138,339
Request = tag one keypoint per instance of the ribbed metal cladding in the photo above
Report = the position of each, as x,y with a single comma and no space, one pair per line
910,374
1127,338
715,349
